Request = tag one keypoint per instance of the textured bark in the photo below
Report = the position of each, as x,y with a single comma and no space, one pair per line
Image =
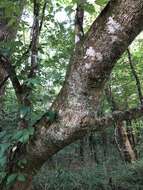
79,34
125,145
3,74
34,40
89,69
2,89
79,17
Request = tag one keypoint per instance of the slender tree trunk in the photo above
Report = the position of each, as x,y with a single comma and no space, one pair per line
7,34
127,150
93,148
124,143
131,131
3,75
3,34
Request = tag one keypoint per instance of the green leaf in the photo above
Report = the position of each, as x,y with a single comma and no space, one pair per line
18,135
3,148
2,175
24,138
22,162
11,178
89,8
21,177
32,82
101,2
2,161
24,135
30,130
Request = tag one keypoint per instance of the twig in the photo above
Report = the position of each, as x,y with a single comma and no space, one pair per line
43,15
12,74
138,84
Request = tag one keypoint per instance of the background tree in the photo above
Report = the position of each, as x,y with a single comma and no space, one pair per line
8,27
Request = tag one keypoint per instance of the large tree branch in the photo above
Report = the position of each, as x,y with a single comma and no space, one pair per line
99,124
89,69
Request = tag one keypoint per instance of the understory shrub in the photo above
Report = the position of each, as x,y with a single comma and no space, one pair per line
122,177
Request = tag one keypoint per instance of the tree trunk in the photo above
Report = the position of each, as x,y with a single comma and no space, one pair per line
125,145
90,67
79,98
2,89
7,34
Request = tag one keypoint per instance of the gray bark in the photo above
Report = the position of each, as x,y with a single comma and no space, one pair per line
89,69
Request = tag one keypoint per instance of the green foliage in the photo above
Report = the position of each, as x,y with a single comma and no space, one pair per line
2,176
21,177
62,179
11,179
121,177
22,163
23,135
101,2
89,8
24,110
